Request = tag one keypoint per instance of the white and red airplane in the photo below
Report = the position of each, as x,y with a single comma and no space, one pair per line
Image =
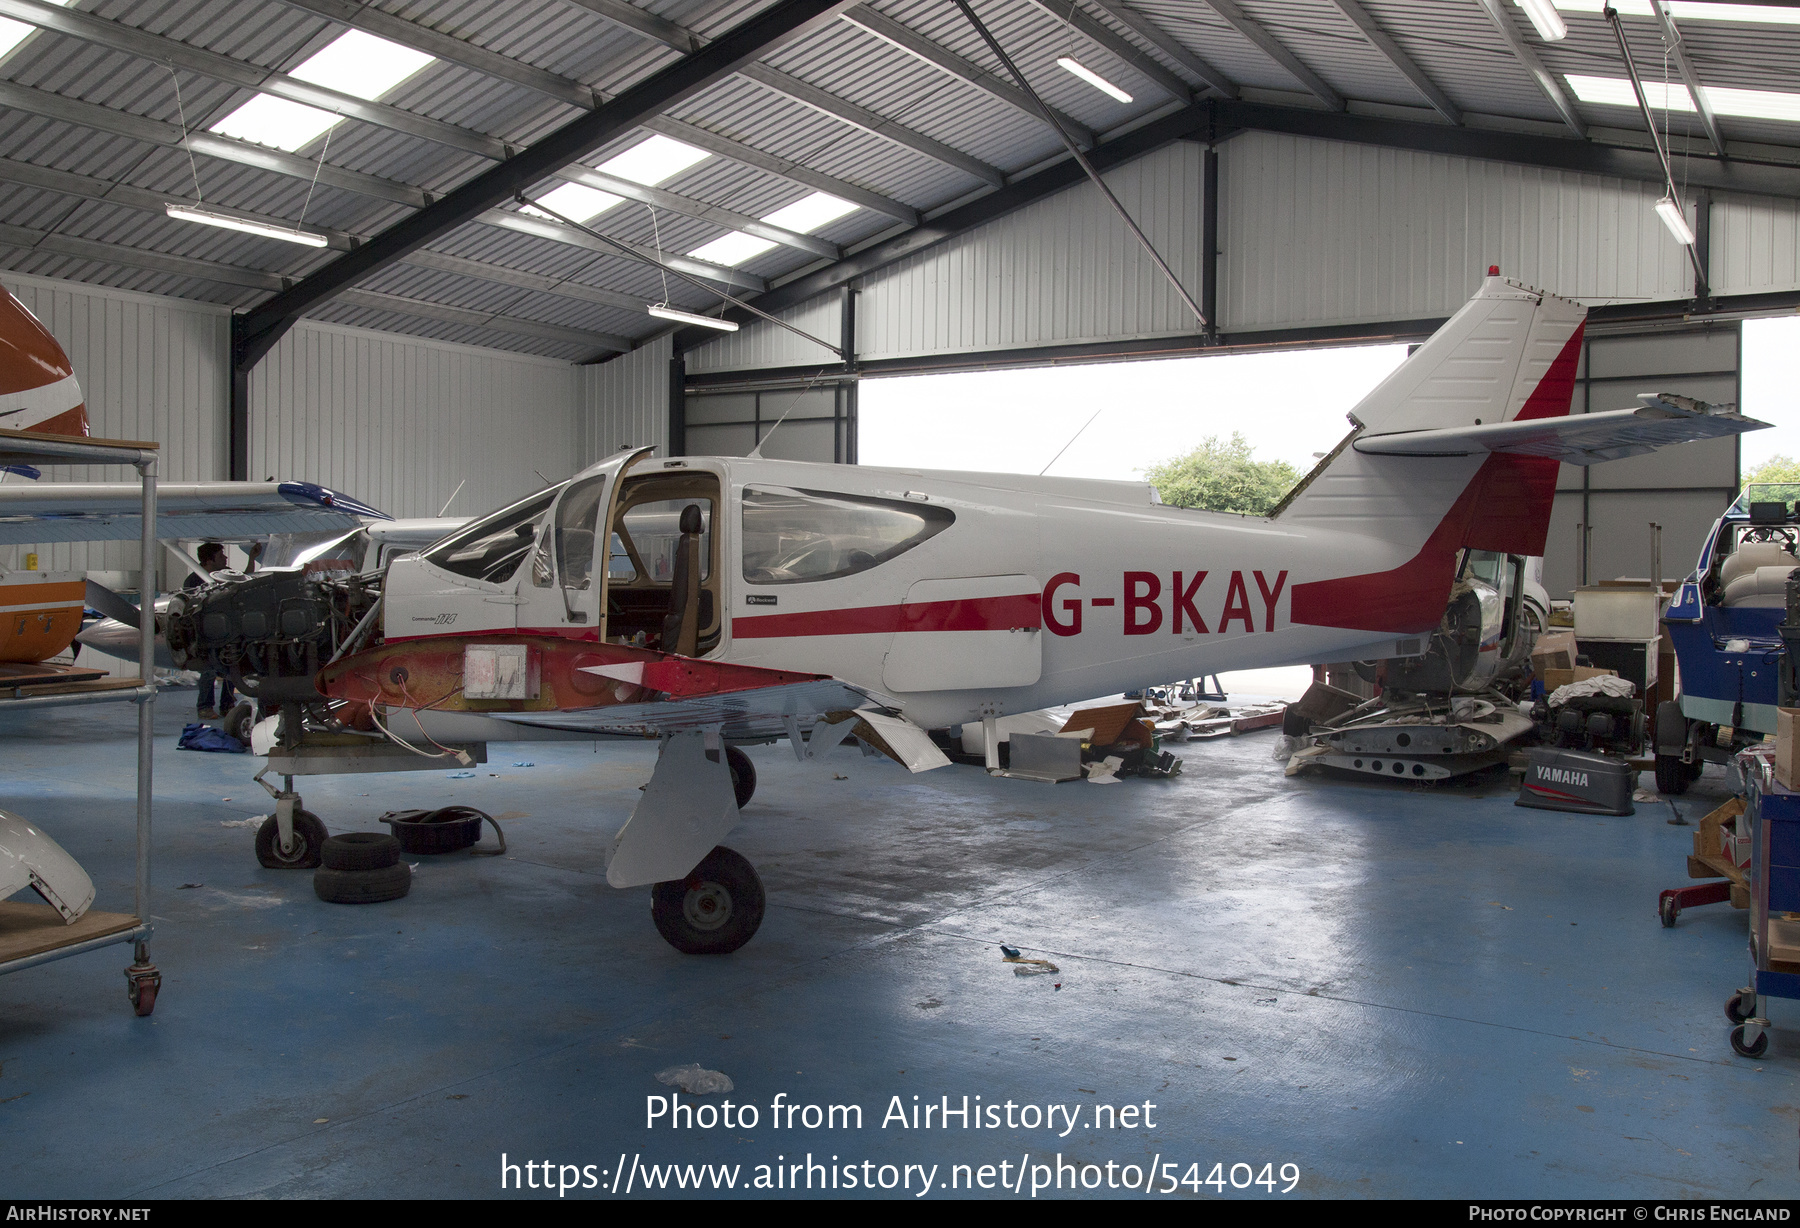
713,601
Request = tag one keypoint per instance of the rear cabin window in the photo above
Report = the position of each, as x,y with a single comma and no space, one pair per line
793,536
492,548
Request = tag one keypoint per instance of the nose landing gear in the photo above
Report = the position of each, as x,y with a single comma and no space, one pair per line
714,910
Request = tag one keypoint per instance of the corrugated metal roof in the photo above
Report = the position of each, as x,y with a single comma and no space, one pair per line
1454,43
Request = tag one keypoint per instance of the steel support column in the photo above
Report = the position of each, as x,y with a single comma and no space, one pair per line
677,405
1209,241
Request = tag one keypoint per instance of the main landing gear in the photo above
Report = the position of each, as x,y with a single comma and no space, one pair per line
714,910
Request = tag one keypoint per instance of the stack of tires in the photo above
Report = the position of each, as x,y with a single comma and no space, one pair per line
362,867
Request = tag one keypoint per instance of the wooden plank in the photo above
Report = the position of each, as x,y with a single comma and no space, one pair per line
48,437
32,929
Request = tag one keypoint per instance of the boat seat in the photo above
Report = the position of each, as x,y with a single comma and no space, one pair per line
1751,555
1764,588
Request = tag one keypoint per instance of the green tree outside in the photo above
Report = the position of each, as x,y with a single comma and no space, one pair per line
1776,478
1223,477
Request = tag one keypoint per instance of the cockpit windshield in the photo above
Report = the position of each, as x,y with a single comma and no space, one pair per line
492,548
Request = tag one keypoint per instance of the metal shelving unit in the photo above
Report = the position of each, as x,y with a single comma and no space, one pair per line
27,941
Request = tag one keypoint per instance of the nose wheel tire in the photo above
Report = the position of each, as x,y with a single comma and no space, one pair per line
309,840
743,775
715,910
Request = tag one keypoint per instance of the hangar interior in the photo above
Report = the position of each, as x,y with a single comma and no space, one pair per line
428,238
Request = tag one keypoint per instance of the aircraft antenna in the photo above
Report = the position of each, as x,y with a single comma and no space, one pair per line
452,499
756,452
1071,443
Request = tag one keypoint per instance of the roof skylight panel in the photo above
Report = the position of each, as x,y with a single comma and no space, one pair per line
1725,100
650,162
1691,10
354,63
811,212
12,33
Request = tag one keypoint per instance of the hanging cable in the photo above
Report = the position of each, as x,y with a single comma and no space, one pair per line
186,144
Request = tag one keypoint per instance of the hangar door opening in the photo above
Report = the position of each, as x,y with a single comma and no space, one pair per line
817,421
1604,523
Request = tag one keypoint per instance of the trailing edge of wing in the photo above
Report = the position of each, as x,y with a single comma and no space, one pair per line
1578,439
44,512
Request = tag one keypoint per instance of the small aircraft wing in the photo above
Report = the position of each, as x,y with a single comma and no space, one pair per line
33,513
1578,439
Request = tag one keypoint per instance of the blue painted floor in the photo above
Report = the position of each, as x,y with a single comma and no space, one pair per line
1399,992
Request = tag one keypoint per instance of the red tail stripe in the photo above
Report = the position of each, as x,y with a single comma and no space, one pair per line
969,614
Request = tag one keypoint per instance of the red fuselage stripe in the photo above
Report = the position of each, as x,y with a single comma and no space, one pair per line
969,614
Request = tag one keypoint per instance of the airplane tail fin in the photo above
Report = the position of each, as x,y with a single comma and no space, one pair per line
1509,355
38,388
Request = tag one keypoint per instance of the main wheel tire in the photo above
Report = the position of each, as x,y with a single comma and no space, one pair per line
1672,776
714,910
1752,1050
362,886
309,837
360,850
743,775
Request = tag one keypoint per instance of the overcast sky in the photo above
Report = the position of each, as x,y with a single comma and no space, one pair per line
1288,405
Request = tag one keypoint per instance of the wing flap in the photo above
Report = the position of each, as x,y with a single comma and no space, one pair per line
1578,439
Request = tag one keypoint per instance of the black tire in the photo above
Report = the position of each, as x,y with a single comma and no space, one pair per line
1293,724
1696,769
362,886
1667,911
1742,1050
715,910
309,838
239,720
361,850
743,775
1736,1011
1672,776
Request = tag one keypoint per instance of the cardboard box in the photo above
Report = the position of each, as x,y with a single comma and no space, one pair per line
1553,650
1787,748
1554,678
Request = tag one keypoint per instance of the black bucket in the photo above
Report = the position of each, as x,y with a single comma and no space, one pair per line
435,831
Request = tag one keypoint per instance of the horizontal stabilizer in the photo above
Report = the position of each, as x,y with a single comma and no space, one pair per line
1578,439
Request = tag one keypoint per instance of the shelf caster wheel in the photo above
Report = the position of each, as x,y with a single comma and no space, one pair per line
1667,909
1741,1005
142,981
1755,1048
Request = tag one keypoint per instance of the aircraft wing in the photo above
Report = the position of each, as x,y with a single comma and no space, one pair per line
32,513
1578,439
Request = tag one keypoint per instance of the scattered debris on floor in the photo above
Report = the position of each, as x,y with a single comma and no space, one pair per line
695,1079
1026,967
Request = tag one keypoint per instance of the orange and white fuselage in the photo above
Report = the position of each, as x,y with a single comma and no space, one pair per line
40,613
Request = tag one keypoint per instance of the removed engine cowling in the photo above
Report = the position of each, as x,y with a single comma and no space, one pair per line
269,633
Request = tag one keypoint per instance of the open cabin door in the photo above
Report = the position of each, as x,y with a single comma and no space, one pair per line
565,586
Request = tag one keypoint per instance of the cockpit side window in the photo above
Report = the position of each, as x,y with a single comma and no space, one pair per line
795,536
575,519
492,548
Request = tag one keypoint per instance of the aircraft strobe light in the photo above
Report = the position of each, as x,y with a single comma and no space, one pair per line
663,311
1670,212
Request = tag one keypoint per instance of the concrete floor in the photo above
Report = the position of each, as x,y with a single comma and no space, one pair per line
1402,992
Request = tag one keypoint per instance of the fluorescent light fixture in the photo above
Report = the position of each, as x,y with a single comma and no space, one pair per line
576,200
732,249
654,161
189,213
810,212
1725,100
1670,213
360,64
1690,10
1093,78
353,63
1546,19
663,311
12,33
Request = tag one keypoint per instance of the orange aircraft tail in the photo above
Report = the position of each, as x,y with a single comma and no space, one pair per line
38,389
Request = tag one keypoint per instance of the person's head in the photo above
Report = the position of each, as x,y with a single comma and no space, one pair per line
212,556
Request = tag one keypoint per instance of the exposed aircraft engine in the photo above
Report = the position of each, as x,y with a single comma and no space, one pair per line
269,633
1480,637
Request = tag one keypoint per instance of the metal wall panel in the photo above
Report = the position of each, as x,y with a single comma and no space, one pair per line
151,368
761,345
1682,489
625,402
1755,244
1062,270
1319,232
400,421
